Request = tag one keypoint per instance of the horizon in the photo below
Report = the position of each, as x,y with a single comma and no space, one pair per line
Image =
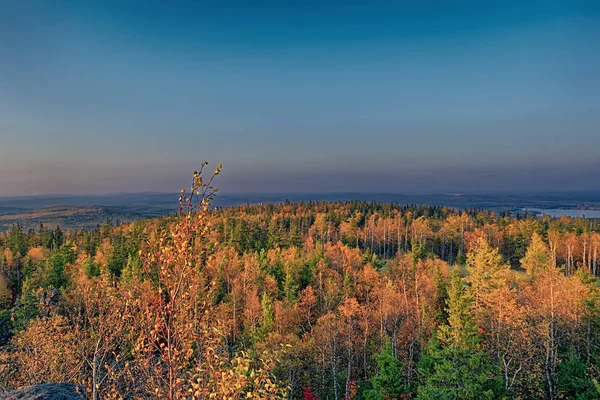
474,192
299,97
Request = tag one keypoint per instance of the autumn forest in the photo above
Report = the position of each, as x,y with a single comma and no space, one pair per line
308,301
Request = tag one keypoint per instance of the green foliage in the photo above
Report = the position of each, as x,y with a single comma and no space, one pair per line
306,273
133,268
279,274
25,309
55,267
295,238
453,365
419,253
92,269
5,294
6,326
117,257
460,331
29,268
453,372
290,285
574,379
537,256
58,237
388,383
267,317
485,267
274,235
461,259
46,237
276,270
17,240
441,295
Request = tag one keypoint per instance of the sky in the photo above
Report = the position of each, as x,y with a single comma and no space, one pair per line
299,96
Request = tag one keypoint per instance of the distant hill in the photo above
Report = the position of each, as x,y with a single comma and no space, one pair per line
87,211
73,216
9,210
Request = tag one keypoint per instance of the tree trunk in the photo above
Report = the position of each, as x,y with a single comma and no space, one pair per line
334,370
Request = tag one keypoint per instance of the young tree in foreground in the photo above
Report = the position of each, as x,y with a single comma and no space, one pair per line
388,383
454,365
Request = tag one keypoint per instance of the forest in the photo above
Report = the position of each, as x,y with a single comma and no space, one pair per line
313,300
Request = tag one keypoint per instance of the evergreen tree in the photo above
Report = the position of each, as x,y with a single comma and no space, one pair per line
117,257
26,309
295,238
58,237
454,366
5,294
5,326
274,235
486,272
574,379
387,384
460,331
92,269
441,295
290,286
133,268
240,235
17,240
266,318
537,257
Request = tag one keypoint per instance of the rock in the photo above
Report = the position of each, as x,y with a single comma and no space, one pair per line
47,391
50,302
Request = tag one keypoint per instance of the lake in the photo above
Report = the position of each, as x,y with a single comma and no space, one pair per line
557,212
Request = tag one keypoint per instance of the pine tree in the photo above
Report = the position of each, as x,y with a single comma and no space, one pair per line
295,238
266,318
388,383
454,366
574,379
460,331
5,294
537,257
486,272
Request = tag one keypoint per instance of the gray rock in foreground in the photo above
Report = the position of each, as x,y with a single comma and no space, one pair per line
47,391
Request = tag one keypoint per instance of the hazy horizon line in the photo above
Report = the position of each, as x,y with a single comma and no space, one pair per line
296,193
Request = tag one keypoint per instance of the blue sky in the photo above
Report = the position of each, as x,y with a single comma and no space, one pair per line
299,96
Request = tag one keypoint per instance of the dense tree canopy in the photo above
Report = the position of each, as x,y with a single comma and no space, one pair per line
308,300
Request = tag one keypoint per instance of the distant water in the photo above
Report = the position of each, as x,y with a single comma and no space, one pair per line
557,212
